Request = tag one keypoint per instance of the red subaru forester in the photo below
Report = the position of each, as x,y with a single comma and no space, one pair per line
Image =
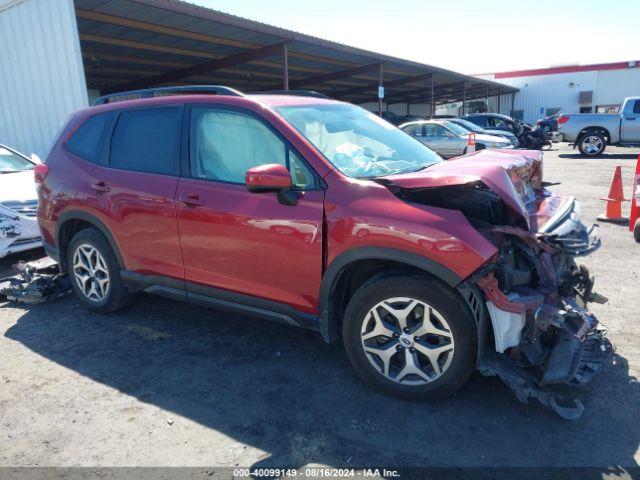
317,213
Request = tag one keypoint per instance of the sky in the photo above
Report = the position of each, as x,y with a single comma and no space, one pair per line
468,36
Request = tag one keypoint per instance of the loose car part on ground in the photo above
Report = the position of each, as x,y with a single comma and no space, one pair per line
36,282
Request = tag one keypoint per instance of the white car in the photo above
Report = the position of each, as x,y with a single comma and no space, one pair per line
18,203
450,139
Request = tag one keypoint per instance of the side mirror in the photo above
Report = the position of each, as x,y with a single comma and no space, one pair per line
35,159
272,177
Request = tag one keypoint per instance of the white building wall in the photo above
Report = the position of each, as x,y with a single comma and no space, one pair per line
561,90
41,76
615,85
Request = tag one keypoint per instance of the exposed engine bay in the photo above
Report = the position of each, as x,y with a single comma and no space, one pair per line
530,300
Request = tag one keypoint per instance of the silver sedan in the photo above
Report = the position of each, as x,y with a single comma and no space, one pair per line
449,139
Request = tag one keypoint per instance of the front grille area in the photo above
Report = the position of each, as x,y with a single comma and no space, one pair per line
28,209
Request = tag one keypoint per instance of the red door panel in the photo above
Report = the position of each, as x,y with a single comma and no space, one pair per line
250,243
139,209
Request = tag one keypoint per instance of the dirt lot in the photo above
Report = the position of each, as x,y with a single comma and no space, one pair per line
164,383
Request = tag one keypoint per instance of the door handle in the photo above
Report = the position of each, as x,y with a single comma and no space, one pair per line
630,118
191,200
100,187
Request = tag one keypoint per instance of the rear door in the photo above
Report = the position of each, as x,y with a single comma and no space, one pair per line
133,190
247,243
631,123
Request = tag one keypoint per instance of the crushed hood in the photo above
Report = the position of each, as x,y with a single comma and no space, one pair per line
515,176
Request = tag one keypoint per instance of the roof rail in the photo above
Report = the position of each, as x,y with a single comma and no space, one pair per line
164,91
298,93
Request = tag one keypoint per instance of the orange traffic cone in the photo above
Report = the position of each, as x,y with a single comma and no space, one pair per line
471,142
613,212
634,216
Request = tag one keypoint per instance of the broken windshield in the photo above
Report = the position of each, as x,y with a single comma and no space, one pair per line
359,143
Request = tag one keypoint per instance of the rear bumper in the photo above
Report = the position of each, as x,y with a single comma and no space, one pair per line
51,251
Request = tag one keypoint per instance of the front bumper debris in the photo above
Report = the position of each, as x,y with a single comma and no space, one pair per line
36,282
538,334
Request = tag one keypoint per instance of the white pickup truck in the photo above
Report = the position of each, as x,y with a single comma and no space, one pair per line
592,132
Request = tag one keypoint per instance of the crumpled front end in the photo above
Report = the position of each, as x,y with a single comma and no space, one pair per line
530,299
536,299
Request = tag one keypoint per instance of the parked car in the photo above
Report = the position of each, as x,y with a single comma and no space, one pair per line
315,213
392,118
450,139
18,203
494,121
592,132
472,127
550,123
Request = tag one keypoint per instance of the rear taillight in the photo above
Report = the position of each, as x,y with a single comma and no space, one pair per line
40,172
563,118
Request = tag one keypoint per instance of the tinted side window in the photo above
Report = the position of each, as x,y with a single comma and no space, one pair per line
89,139
500,122
636,107
482,121
147,141
434,130
225,144
414,130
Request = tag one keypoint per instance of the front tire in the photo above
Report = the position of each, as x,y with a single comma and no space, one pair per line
95,274
410,337
592,144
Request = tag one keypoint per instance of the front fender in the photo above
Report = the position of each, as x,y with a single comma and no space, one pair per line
328,324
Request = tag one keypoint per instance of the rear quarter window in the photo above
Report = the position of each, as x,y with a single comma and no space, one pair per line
89,140
147,141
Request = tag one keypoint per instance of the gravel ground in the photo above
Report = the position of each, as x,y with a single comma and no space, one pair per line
168,384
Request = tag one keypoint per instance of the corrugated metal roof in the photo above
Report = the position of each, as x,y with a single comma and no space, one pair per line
119,36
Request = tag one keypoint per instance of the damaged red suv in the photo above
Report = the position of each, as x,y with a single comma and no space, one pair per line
317,213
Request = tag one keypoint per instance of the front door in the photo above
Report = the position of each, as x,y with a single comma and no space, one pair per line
243,242
631,123
442,140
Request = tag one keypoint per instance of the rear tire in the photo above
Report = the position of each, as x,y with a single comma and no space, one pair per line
410,337
592,144
95,274
636,231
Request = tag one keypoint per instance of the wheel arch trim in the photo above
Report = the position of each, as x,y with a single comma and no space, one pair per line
328,324
594,128
93,220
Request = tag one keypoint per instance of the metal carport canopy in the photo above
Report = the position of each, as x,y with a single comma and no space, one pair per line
131,44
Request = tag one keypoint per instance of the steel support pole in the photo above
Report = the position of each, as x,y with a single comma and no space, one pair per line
499,99
433,99
380,85
486,99
285,67
513,102
464,98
